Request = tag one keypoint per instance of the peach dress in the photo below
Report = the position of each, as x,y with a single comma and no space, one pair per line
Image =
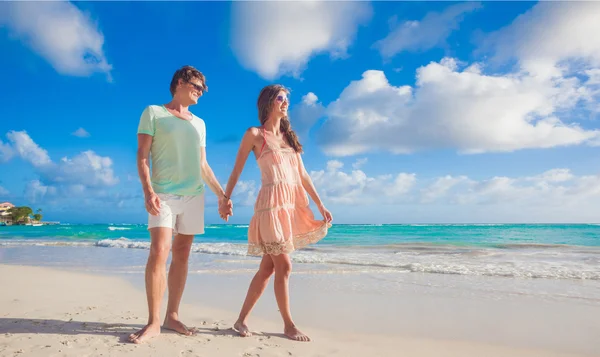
282,220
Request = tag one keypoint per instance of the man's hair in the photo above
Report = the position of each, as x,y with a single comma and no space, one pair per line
187,73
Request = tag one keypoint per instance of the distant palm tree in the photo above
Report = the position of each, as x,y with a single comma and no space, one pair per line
38,215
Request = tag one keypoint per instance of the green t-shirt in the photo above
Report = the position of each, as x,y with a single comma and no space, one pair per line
175,152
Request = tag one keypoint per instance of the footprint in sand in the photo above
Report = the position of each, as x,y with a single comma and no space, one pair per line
252,352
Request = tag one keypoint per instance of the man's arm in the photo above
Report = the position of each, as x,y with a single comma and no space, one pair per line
151,200
211,181
209,176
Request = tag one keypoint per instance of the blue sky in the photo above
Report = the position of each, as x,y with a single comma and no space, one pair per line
408,111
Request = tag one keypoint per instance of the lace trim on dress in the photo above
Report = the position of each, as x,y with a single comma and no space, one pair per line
285,247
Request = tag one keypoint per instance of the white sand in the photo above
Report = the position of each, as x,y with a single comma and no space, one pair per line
48,312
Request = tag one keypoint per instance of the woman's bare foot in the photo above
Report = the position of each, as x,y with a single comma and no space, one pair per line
172,323
293,333
146,333
242,329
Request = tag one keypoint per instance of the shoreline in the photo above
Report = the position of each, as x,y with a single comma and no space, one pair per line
106,307
509,260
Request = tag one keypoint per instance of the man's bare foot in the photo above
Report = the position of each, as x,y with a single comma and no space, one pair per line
293,333
145,333
173,324
242,329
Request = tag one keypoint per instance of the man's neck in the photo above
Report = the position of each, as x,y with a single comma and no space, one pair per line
178,106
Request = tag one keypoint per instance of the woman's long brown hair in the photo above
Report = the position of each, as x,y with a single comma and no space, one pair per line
266,98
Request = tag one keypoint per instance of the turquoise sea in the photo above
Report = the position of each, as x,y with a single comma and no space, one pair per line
547,251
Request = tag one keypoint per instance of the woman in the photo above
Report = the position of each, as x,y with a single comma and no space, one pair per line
282,221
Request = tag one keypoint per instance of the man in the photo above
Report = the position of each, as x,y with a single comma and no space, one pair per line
175,140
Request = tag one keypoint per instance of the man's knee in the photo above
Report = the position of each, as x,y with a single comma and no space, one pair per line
159,252
182,246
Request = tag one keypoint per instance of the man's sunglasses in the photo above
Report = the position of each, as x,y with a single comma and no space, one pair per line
197,87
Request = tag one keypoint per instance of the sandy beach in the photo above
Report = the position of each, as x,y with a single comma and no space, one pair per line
54,312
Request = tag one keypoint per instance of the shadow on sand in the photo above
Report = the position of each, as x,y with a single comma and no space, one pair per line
70,327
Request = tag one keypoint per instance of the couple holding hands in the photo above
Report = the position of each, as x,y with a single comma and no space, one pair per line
173,140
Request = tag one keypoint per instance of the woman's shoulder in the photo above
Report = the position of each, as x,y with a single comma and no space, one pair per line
253,131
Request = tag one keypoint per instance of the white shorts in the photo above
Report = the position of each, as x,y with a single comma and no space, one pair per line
184,214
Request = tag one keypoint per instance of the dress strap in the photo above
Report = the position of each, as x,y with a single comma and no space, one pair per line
264,141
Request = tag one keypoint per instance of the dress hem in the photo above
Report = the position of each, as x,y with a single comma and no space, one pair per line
298,241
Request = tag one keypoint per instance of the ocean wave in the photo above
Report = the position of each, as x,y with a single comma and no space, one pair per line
207,248
41,243
440,260
112,228
463,265
535,261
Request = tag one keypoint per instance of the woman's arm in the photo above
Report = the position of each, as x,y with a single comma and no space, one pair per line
246,147
311,190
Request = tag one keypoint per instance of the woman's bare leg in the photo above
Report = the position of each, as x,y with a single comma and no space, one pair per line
256,289
283,269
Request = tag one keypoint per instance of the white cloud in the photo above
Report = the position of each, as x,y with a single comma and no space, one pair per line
27,149
69,176
6,152
556,195
245,193
356,187
549,34
61,33
81,133
554,176
552,40
279,38
449,108
431,31
440,187
543,102
556,189
86,168
36,191
360,162
306,114
3,191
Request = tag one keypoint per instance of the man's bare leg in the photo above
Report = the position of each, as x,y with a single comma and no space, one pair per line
256,289
283,269
178,271
155,281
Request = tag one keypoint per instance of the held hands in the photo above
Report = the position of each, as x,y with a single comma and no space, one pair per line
152,202
225,208
326,214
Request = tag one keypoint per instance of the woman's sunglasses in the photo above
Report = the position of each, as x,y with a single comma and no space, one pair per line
282,98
